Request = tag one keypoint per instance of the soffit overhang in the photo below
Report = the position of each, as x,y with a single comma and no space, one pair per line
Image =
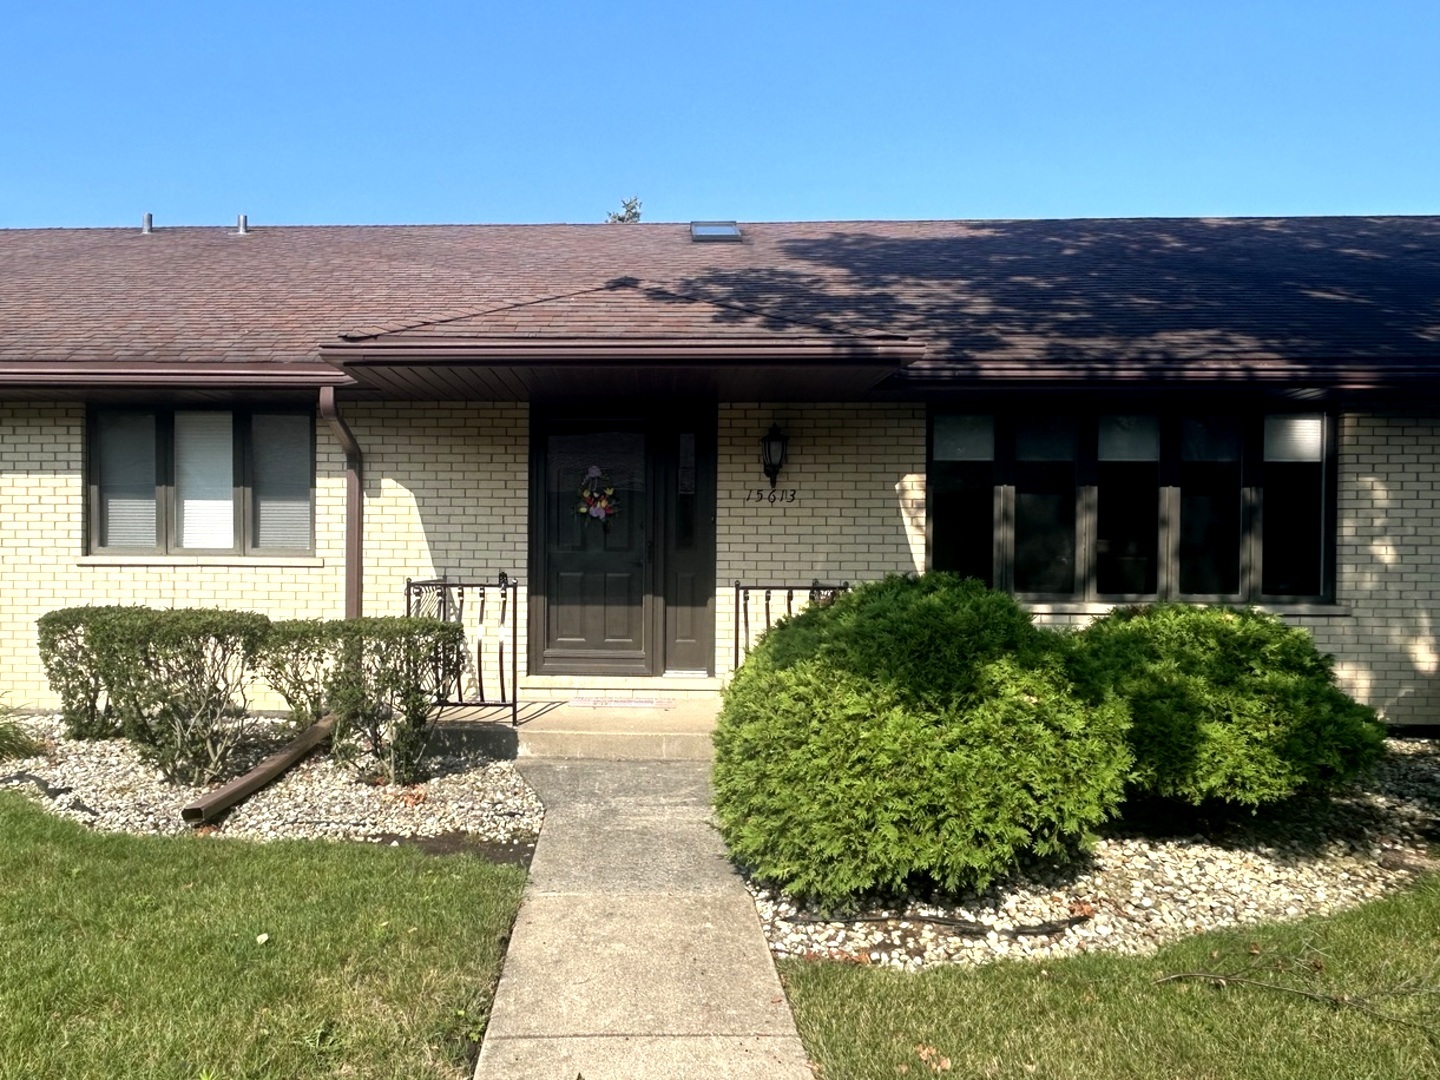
722,369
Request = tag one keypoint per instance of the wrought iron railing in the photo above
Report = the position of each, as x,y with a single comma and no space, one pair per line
489,613
759,607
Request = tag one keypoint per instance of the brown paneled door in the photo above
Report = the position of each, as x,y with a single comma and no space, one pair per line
624,536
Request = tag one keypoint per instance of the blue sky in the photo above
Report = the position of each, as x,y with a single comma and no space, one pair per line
319,112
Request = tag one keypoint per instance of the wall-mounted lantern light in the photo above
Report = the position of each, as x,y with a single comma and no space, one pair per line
772,451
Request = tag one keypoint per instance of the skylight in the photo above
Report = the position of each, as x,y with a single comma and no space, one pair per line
715,231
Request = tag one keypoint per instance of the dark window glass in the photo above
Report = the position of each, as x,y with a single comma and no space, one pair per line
1210,506
1127,511
1045,528
1127,527
962,518
1045,505
1293,521
685,494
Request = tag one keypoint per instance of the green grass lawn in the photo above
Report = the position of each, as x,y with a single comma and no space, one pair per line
1105,1018
126,956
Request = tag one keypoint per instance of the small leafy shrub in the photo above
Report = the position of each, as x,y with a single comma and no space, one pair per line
15,741
73,671
917,730
1226,704
178,680
383,685
296,660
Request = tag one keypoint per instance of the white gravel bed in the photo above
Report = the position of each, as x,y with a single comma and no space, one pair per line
105,785
1137,892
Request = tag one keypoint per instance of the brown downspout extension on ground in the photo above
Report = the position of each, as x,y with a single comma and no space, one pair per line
354,501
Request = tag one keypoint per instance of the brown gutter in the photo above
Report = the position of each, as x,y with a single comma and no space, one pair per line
178,374
274,766
665,352
354,501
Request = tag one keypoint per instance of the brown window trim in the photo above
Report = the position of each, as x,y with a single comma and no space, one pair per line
1251,492
242,491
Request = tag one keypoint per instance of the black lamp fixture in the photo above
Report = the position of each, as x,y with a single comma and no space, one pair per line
772,451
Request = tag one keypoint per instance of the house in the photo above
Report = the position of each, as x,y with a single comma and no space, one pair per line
1084,412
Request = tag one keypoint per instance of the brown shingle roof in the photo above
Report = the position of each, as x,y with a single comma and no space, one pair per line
1033,292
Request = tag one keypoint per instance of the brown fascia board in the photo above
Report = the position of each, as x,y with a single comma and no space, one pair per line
1039,374
651,351
172,376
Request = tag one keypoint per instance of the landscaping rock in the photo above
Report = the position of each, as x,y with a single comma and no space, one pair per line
107,786
1136,892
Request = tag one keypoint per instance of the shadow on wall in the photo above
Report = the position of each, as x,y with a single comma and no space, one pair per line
1387,653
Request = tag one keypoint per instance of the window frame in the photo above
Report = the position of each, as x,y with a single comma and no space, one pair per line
1250,550
242,483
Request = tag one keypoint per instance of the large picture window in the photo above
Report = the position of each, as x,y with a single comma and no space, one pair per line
1118,507
189,481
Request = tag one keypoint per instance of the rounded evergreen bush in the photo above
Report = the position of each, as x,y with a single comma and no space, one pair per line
915,731
1226,704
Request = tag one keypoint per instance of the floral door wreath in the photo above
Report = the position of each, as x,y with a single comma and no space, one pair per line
597,497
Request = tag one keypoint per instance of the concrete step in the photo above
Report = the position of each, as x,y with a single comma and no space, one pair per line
615,732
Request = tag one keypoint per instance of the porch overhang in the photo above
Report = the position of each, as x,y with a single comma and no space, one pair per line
555,370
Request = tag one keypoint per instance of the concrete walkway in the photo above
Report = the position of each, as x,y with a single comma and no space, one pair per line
637,952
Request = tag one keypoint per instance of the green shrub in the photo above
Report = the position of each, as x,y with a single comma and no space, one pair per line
1226,704
296,660
15,741
917,730
73,671
178,680
383,686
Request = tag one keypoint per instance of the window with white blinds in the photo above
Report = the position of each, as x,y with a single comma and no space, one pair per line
204,480
196,480
280,489
125,453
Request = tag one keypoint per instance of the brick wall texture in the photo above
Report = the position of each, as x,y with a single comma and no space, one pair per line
446,493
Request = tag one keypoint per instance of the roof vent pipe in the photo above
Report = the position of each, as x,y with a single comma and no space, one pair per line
242,225
148,225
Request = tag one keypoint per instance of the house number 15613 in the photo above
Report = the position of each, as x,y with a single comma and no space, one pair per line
773,496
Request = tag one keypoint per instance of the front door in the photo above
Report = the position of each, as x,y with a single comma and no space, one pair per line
623,538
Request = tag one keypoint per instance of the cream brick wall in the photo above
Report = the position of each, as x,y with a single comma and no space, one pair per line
447,492
858,473
1387,643
42,549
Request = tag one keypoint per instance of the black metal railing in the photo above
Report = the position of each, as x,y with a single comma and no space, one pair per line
489,613
759,607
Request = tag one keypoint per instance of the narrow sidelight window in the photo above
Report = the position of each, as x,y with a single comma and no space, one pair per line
1127,511
1211,504
1293,521
1045,505
962,496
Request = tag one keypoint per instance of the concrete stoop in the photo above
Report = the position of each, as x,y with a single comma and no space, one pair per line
617,731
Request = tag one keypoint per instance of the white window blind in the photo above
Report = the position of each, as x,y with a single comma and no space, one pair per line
280,453
126,454
1294,438
204,480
